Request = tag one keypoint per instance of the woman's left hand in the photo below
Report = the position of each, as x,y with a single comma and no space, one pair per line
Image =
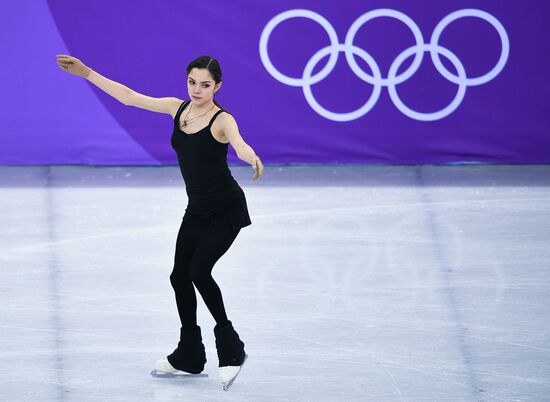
257,166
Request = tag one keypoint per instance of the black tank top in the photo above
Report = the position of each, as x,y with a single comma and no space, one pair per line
208,181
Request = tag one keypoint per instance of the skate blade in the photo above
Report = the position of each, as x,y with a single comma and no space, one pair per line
230,382
178,374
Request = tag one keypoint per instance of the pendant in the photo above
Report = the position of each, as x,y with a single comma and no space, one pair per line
184,123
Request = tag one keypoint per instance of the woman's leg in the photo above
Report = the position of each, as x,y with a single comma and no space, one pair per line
213,244
189,235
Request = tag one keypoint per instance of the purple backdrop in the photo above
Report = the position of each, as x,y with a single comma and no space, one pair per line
345,82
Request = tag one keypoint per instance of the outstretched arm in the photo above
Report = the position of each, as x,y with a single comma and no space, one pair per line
243,150
76,67
117,90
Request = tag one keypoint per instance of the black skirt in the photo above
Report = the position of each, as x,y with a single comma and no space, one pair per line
236,207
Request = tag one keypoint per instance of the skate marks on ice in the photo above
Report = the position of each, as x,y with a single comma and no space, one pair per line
451,282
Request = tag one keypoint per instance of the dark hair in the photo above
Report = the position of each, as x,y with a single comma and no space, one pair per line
212,65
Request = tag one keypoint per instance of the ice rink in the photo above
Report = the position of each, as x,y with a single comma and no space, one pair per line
353,283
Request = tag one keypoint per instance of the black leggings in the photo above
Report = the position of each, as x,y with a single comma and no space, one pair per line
200,243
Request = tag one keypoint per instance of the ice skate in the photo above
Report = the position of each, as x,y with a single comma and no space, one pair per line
231,354
163,369
187,360
229,373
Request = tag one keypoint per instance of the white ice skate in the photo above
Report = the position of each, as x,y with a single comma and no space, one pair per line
229,373
164,369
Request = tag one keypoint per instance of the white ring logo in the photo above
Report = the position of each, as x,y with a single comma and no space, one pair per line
376,78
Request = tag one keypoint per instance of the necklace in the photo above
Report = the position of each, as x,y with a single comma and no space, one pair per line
187,120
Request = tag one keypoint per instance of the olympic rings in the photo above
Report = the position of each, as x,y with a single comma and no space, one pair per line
376,79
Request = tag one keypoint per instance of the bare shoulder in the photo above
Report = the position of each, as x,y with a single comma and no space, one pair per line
226,119
228,127
175,103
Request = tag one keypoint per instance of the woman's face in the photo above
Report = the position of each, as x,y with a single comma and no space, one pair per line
201,86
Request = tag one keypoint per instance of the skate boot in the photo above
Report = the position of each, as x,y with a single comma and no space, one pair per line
189,356
231,354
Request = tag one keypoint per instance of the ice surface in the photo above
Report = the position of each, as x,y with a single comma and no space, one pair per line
353,283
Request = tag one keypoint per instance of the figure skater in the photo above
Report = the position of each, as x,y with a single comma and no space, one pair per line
215,213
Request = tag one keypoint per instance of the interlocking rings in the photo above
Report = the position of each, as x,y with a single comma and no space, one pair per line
376,79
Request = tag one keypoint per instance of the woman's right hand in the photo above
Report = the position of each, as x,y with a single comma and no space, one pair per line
73,65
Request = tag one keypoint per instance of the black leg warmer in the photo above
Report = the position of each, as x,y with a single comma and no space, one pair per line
228,345
189,356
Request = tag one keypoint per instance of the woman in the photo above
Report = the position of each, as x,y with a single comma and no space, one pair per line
215,213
